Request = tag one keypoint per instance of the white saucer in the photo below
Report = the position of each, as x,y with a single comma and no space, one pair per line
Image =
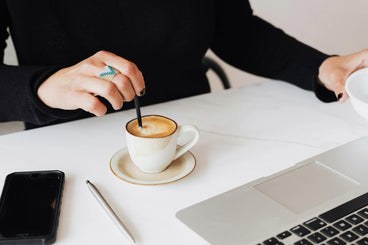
122,166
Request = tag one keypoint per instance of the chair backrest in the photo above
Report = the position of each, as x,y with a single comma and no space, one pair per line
212,64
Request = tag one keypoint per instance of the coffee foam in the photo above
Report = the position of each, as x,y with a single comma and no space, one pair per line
153,127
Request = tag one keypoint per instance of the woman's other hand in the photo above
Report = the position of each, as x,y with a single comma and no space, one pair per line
334,71
76,86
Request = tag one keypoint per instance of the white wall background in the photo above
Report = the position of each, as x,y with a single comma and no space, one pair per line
332,26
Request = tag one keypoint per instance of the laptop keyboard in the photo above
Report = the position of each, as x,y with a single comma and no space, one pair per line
345,224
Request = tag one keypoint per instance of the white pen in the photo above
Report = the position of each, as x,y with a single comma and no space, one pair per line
109,211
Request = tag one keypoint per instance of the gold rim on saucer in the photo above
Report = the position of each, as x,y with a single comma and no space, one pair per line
122,167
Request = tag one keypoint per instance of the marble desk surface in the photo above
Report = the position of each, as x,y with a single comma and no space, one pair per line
246,133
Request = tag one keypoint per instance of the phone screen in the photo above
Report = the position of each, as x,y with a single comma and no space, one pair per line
30,204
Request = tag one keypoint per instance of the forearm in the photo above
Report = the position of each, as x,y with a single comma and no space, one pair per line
18,97
253,45
19,84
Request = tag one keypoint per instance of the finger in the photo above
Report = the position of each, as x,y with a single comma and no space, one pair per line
103,88
338,87
91,66
126,67
88,103
364,58
124,86
356,61
334,82
341,96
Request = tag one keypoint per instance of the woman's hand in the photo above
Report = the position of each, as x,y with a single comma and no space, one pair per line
76,86
334,71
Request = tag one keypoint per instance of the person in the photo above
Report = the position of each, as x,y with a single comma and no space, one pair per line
62,47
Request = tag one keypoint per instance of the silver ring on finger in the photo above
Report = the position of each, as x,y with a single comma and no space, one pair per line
108,73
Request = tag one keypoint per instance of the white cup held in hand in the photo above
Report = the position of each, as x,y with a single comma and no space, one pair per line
357,88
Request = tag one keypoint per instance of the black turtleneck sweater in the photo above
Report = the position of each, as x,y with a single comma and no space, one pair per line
165,39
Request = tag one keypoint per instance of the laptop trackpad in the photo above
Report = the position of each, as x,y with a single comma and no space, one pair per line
306,187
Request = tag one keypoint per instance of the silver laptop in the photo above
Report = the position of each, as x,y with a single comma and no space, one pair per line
322,200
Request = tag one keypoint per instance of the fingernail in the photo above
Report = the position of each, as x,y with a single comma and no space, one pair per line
142,92
339,96
116,108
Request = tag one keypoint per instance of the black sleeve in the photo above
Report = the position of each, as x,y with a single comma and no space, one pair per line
253,45
18,86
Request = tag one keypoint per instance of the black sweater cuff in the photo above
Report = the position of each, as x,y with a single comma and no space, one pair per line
321,92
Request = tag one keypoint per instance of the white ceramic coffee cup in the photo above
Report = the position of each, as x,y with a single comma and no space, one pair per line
153,155
357,88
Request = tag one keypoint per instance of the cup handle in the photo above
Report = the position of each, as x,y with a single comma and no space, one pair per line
183,129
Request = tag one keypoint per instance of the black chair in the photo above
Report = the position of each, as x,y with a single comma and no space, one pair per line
212,64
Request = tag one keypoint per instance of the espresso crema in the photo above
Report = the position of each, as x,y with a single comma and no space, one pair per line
153,127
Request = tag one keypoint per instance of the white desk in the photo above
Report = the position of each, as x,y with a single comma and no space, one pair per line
246,133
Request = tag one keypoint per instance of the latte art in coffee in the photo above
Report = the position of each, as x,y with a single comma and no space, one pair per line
153,127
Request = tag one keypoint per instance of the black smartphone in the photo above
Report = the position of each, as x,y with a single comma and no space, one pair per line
30,207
